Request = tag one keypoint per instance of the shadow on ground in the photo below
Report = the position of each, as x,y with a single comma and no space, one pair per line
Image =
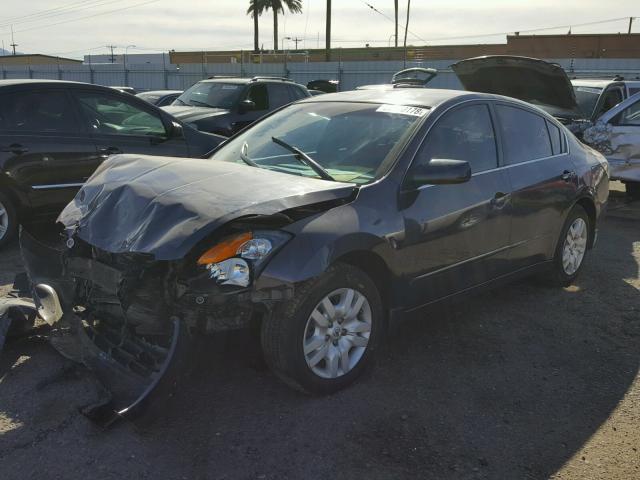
509,384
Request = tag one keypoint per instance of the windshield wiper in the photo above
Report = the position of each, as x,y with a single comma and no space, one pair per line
245,158
306,159
181,101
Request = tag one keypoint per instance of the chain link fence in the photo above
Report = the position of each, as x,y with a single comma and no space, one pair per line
352,74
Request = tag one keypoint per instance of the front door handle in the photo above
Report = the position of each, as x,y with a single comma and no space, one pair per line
106,151
567,175
15,148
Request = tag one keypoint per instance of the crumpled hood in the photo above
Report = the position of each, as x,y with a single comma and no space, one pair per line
531,80
164,205
191,114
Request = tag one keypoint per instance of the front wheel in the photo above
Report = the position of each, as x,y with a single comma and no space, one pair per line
323,339
571,248
8,220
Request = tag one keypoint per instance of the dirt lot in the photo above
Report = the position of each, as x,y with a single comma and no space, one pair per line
523,383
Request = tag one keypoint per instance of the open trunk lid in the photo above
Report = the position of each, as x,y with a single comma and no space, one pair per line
535,81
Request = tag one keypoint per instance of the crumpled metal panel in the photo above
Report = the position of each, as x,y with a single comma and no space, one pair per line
165,206
622,149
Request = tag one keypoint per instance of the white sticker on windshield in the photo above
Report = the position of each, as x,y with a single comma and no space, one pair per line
229,87
403,110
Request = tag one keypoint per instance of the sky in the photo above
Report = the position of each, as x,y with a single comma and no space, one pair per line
76,27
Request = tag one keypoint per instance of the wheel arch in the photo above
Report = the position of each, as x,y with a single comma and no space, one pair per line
375,268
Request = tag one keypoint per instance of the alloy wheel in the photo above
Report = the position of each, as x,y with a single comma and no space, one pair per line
575,246
4,221
337,333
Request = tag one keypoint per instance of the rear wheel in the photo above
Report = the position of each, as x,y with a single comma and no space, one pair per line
8,220
324,338
571,248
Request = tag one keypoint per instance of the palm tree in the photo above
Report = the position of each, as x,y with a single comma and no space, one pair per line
256,8
278,6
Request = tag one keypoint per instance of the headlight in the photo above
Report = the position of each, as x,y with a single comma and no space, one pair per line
233,259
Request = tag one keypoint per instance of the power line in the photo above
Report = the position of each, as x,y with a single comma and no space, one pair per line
391,20
100,3
54,12
89,16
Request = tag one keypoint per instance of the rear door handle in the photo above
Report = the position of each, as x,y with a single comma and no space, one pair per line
567,175
499,199
106,151
15,148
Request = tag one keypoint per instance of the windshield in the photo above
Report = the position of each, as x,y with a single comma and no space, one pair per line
210,94
350,142
587,97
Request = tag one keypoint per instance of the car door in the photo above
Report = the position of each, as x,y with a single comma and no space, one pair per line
542,177
259,95
622,143
456,236
126,125
43,147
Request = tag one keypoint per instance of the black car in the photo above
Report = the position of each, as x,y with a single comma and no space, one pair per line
317,225
225,105
160,98
54,134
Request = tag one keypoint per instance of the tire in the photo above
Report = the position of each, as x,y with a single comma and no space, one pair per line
8,220
563,275
292,339
633,190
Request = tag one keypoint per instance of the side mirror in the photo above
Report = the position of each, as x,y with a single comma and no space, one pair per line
176,130
246,106
440,171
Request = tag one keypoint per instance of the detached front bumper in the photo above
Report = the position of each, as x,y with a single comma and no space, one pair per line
127,318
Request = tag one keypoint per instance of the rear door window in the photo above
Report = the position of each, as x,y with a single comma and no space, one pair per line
524,135
296,92
278,95
38,112
557,143
465,133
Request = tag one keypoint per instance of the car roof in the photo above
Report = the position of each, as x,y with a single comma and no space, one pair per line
246,80
419,97
160,92
23,81
601,83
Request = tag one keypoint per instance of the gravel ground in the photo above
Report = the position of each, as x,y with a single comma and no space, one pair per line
523,382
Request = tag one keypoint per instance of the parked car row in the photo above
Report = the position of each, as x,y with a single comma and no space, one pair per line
53,135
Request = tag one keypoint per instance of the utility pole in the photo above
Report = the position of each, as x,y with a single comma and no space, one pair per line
406,30
630,25
328,33
113,58
296,40
396,7
13,42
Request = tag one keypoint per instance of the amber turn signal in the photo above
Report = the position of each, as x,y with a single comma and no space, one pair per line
227,248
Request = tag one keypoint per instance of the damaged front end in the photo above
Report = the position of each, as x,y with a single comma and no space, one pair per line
139,270
131,319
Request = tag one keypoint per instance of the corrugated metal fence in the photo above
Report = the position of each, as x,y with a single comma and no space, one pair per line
351,74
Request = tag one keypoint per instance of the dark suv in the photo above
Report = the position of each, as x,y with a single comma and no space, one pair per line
53,135
225,105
